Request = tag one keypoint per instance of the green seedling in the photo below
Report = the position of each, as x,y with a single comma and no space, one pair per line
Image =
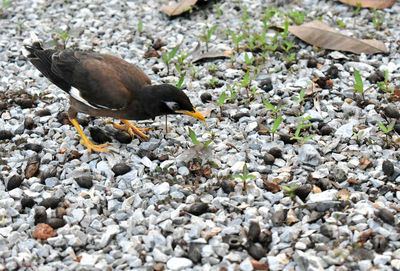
297,17
180,82
358,8
245,176
140,28
285,32
218,9
384,85
167,56
301,127
290,58
232,91
212,68
275,126
4,5
271,107
300,99
290,190
341,24
287,45
377,20
206,35
236,39
245,16
212,83
386,129
358,85
196,141
64,36
221,99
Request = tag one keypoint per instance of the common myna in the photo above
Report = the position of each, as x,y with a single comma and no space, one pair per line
103,85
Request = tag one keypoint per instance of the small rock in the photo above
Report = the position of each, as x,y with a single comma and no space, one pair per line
309,155
123,137
287,139
194,253
179,263
120,169
27,202
84,121
385,215
198,208
158,267
205,97
312,63
14,182
99,136
326,130
256,251
3,105
24,102
269,159
60,212
40,216
55,222
43,112
227,186
63,118
303,191
51,202
387,168
271,186
50,172
326,230
29,123
233,241
5,135
380,243
33,147
278,217
265,238
85,181
32,168
276,152
254,231
43,232
376,77
266,85
391,111
240,115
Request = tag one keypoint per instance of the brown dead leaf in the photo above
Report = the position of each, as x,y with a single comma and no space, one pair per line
259,265
365,235
212,55
320,34
365,163
176,9
379,4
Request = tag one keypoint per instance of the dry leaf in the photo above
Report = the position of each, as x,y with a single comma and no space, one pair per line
259,265
212,55
379,4
320,34
365,163
176,9
365,235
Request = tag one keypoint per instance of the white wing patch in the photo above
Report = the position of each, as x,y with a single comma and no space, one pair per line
75,93
172,105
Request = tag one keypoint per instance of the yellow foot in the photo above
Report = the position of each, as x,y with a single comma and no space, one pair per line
96,148
132,129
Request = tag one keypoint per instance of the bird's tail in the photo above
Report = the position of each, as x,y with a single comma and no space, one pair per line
31,44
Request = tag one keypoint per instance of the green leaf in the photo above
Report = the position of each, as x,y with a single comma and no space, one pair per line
210,32
358,85
179,84
269,106
245,170
276,124
222,99
173,52
140,27
390,126
383,127
193,136
239,176
251,176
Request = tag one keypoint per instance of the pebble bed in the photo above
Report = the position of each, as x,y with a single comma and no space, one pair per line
328,203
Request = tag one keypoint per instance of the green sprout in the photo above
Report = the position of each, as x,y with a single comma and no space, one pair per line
358,8
341,24
297,17
384,85
206,36
358,85
236,39
180,82
245,176
140,27
290,190
221,99
196,141
378,19
386,129
275,125
302,126
4,5
167,56
271,107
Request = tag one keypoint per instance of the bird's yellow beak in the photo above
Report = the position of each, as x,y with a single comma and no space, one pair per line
195,114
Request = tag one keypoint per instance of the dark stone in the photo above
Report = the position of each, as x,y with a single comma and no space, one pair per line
3,105
326,230
315,216
120,169
123,137
326,130
146,153
324,83
269,159
74,154
233,241
266,85
40,216
27,202
385,215
29,124
55,222
276,152
380,243
51,202
60,212
323,183
158,44
33,147
85,181
205,97
14,182
240,115
24,102
62,118
255,251
332,72
287,139
338,174
50,172
227,186
84,121
5,135
163,158
397,127
391,111
376,77
194,253
32,169
361,254
387,168
99,136
312,63
198,208
265,238
278,217
303,191
43,112
254,232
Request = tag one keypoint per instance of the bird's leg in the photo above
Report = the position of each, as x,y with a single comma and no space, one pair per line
85,141
131,129
166,124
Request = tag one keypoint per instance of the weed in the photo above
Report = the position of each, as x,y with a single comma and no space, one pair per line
64,36
4,5
180,82
358,8
271,107
275,125
167,56
384,85
297,17
378,19
236,39
245,176
206,35
301,126
196,141
358,85
290,190
341,24
386,129
140,28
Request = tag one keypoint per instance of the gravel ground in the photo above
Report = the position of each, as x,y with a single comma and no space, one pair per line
329,202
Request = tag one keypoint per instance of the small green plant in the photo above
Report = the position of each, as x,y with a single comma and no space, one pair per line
64,36
300,99
378,19
236,39
213,83
218,9
386,129
384,85
297,17
167,56
276,125
196,141
4,5
212,68
140,28
358,8
290,190
270,107
245,176
358,84
221,100
232,91
341,24
206,35
302,126
180,82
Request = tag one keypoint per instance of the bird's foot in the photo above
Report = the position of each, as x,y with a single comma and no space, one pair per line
132,129
93,147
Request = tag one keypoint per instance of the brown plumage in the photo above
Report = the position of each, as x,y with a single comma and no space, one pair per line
106,86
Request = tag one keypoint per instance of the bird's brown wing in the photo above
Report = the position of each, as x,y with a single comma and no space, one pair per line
103,81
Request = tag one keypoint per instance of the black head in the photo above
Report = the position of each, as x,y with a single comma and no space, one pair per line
167,99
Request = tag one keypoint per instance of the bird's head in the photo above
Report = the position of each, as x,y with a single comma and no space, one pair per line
167,99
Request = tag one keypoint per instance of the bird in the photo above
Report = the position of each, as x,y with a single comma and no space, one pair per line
103,85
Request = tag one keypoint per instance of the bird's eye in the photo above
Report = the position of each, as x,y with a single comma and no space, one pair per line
172,105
